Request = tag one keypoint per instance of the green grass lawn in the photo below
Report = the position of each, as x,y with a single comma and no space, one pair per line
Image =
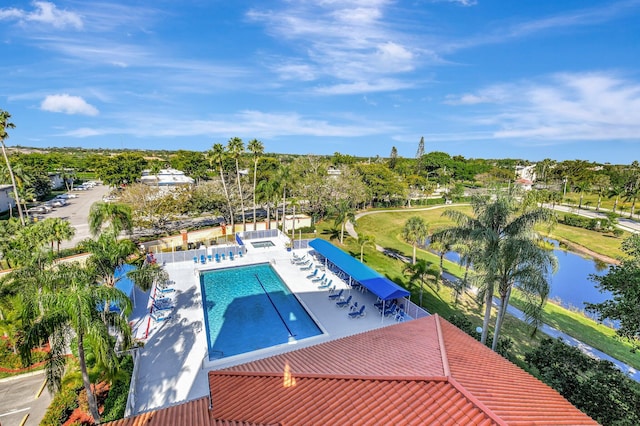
387,228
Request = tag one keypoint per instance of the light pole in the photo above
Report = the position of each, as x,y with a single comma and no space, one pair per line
564,192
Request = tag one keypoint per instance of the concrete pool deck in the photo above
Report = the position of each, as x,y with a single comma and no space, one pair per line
173,364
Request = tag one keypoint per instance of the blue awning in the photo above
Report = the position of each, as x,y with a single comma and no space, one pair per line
379,285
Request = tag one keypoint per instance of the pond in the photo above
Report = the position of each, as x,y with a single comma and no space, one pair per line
570,285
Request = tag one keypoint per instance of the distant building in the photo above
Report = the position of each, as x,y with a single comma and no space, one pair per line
57,182
334,172
166,178
6,200
526,172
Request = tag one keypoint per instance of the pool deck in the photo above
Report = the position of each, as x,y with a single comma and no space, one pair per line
173,364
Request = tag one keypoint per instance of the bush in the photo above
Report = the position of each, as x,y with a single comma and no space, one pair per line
116,402
62,405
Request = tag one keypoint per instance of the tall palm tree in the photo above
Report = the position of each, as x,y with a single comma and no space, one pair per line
601,185
344,213
115,216
235,146
4,125
268,189
217,155
504,244
581,187
257,149
415,231
72,304
283,176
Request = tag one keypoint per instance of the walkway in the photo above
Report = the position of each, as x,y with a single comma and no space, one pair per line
592,352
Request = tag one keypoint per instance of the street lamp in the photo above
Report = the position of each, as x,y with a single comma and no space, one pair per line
564,192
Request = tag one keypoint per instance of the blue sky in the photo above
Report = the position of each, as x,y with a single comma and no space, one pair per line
477,78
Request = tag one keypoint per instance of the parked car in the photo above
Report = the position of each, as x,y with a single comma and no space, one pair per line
56,202
66,196
39,209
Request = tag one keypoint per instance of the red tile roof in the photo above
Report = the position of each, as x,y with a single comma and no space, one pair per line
424,371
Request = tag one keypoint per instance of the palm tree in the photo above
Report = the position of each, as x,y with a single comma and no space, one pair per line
72,304
218,155
268,189
615,191
415,231
420,271
116,216
236,149
581,187
257,149
59,230
4,125
631,192
363,240
283,176
344,213
505,250
601,185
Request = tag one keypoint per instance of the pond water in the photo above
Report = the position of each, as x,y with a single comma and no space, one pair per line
570,285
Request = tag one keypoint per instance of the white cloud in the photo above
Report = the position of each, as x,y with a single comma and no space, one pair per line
346,42
68,104
589,106
44,12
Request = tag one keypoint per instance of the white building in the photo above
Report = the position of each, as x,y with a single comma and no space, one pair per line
6,200
526,172
166,177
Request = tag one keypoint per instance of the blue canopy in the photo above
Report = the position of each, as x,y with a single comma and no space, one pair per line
123,282
379,285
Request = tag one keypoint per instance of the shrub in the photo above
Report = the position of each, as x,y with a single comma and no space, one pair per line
62,405
116,402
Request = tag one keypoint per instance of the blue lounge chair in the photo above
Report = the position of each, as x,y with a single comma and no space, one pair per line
344,303
164,289
217,258
230,255
326,284
318,279
162,306
357,314
195,259
209,258
400,315
313,274
160,318
222,256
203,259
391,310
240,253
307,268
336,295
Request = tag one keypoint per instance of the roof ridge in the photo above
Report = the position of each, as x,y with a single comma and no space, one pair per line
329,376
475,401
443,350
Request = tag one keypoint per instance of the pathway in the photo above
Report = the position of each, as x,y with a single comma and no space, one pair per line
592,352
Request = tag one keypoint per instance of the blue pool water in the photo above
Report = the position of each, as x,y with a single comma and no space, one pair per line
262,244
250,308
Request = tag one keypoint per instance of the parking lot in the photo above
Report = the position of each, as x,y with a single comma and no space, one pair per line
21,397
76,211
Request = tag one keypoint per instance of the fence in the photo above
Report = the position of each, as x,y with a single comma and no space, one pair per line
261,234
195,254
131,399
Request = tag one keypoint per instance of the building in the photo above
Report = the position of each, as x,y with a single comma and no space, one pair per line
166,178
7,201
419,372
526,172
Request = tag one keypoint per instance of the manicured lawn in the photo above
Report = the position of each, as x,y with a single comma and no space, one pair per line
387,229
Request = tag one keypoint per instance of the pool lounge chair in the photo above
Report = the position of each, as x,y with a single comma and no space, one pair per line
325,284
230,255
164,289
318,279
337,295
357,314
195,259
400,315
209,258
313,274
203,259
240,253
160,317
162,306
344,303
217,258
392,310
306,268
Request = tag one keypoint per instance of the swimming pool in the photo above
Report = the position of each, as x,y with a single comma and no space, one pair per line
262,244
249,308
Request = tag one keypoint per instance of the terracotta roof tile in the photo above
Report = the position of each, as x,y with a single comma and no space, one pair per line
318,400
424,371
510,392
406,349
